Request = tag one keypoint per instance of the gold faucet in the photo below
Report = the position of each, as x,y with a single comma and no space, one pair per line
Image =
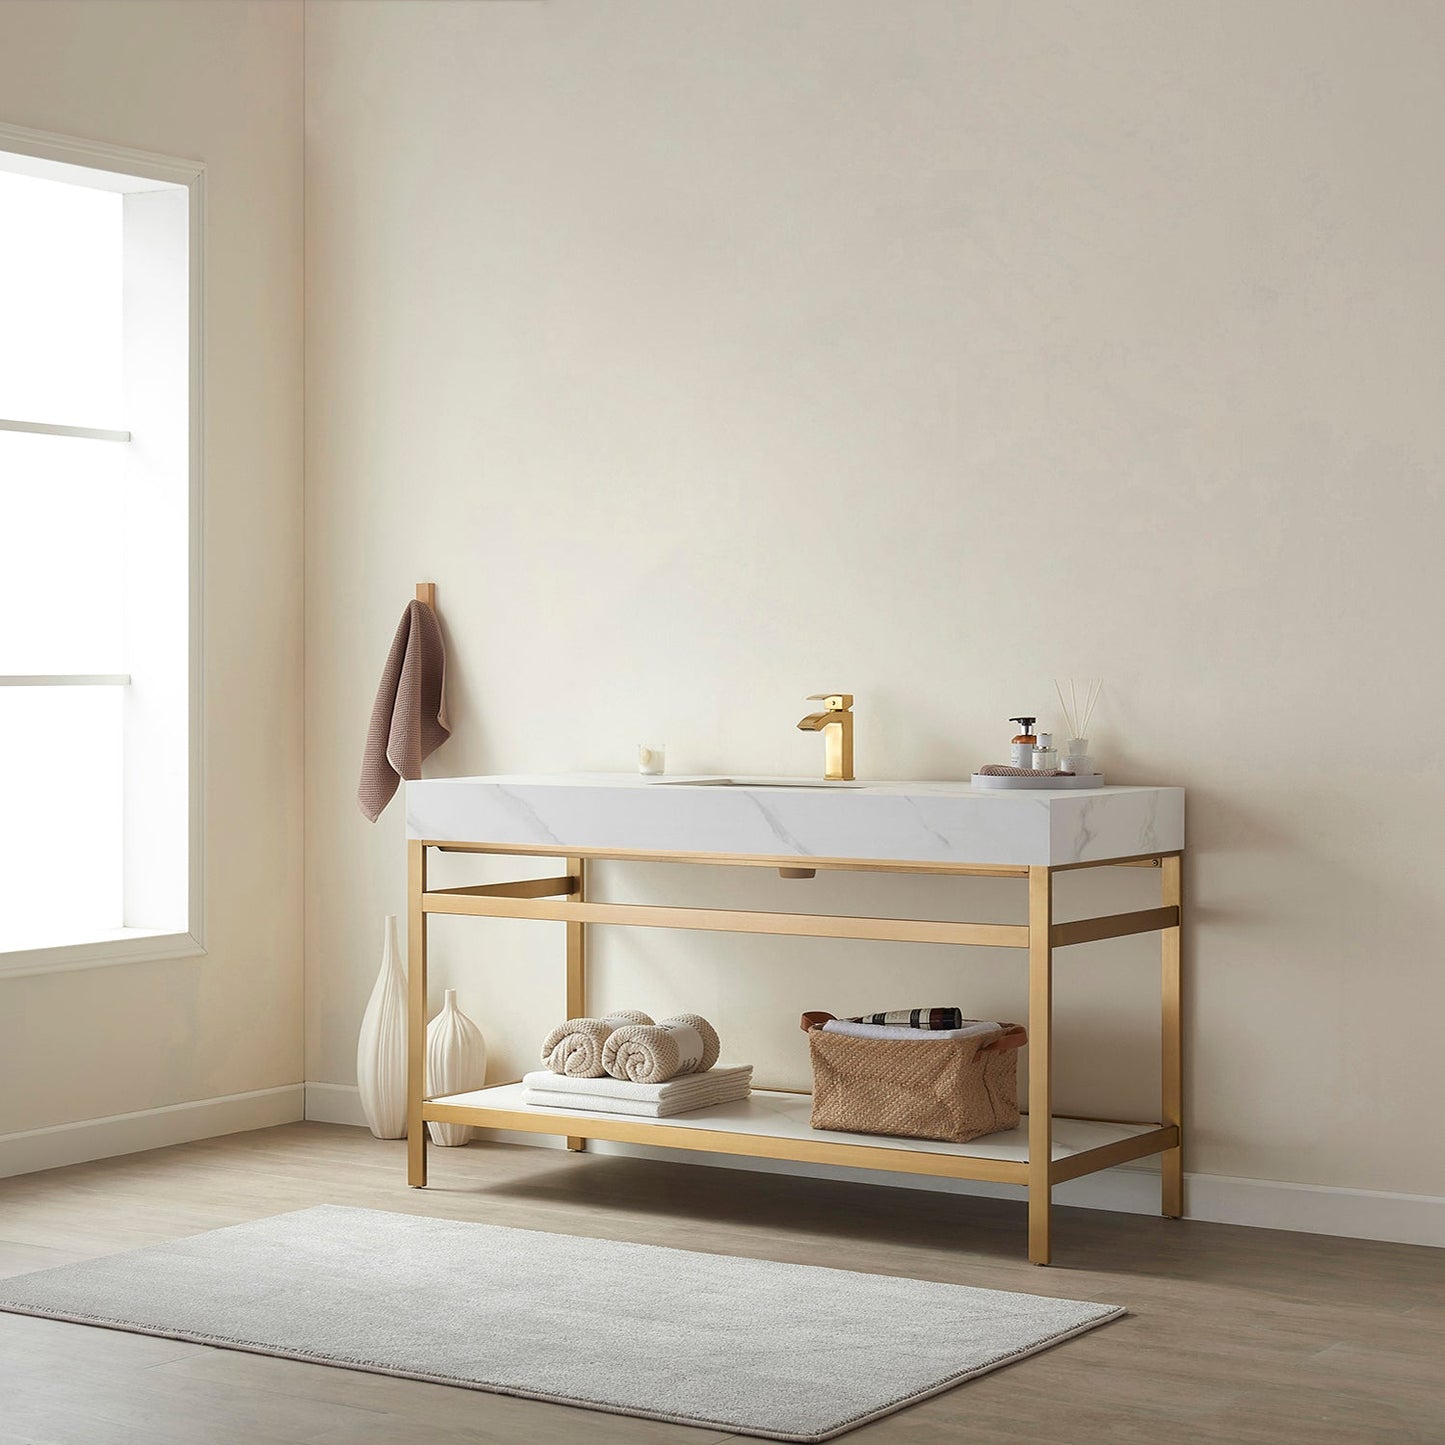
836,725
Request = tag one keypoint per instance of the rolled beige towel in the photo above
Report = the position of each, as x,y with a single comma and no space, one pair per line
654,1053
575,1047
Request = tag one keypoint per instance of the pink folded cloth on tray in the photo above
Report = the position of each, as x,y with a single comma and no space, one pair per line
1004,770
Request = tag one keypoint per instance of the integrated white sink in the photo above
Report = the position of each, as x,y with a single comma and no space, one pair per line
719,816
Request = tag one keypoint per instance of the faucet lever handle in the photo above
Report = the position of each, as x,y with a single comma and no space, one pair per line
834,701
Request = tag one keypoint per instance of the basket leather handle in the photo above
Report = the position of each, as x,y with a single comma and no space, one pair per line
815,1020
1014,1036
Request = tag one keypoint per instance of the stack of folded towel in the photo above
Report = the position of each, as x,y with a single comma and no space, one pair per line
547,1090
655,1069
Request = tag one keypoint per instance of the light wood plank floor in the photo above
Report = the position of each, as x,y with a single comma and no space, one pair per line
1233,1334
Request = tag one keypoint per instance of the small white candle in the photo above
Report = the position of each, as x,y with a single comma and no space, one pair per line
651,758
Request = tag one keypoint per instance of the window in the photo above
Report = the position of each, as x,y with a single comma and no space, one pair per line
99,556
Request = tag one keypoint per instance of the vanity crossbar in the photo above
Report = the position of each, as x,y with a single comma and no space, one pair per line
1044,1151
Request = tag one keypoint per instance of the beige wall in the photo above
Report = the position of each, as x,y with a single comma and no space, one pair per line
220,82
707,355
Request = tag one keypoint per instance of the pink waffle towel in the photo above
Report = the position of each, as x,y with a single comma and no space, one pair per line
1003,770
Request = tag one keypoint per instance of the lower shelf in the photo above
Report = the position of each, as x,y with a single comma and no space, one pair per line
773,1125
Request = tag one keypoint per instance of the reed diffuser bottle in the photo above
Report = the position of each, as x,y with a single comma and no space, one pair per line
1077,719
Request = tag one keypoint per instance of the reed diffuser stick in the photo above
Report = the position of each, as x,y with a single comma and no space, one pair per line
1076,718
1063,706
1093,702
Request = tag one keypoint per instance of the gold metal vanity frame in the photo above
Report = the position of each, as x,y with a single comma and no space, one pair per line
564,899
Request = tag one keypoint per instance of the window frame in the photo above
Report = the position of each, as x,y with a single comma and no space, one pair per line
136,945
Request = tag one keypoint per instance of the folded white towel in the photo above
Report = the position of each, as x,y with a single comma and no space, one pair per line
633,1108
901,1031
686,1086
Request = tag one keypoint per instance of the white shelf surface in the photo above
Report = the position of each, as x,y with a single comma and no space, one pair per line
772,1115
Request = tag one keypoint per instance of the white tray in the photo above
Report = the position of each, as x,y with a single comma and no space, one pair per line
1006,783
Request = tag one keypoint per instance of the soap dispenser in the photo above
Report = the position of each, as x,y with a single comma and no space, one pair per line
1023,745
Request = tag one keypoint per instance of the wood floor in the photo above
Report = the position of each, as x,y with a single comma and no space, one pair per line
1233,1334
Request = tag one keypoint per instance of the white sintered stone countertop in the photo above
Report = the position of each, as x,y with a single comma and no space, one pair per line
922,822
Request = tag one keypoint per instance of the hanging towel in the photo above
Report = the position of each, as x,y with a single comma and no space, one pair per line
409,716
575,1047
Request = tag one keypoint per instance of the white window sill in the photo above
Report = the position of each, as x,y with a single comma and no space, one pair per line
120,945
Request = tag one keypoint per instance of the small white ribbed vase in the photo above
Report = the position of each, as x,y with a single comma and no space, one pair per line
456,1061
381,1048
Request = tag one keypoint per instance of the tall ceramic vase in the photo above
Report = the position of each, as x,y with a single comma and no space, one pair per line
381,1048
456,1061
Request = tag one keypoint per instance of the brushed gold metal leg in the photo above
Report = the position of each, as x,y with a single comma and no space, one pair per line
1172,1033
1041,1050
577,965
415,1016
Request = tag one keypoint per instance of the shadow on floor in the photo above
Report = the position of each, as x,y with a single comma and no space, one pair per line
969,1227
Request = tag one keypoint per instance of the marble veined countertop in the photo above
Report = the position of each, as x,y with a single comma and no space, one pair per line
922,822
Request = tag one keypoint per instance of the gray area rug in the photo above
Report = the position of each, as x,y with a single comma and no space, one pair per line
785,1351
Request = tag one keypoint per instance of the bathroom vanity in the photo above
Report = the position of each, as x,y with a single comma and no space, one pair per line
948,829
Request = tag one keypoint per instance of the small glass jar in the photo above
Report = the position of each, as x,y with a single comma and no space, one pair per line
1046,755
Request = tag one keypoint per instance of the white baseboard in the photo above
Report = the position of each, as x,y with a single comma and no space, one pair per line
334,1104
1217,1198
61,1144
341,1104
1318,1209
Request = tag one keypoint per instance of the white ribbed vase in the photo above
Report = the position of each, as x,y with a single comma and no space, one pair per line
456,1061
381,1048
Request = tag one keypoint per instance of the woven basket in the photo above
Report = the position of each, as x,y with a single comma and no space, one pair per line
949,1089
